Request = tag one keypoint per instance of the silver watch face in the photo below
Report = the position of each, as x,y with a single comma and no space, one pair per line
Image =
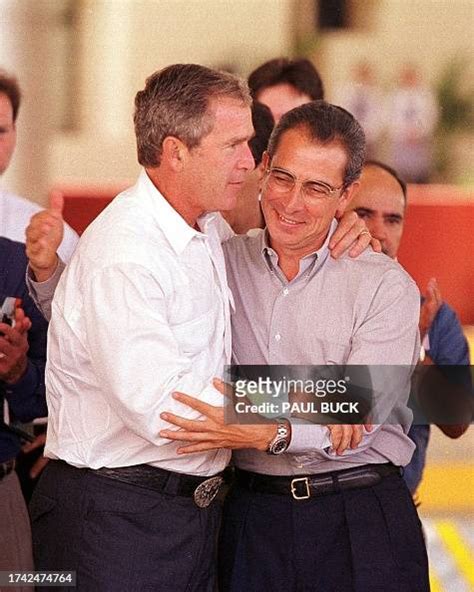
279,446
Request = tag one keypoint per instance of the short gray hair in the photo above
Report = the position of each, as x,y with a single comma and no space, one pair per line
175,102
325,123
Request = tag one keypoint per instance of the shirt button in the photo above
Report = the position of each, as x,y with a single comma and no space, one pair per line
286,291
277,337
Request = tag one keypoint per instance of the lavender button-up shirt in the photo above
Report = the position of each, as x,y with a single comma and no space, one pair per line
346,311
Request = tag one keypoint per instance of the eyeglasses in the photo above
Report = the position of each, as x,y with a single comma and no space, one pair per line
282,181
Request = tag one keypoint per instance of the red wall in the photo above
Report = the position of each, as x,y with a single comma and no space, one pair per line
439,242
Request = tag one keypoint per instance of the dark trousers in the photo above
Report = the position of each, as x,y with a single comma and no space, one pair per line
119,537
358,540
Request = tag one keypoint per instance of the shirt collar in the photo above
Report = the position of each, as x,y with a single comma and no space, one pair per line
174,227
312,262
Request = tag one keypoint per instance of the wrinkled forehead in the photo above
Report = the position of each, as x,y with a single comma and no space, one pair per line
297,143
301,134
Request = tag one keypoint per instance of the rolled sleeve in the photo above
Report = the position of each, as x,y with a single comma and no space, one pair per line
305,437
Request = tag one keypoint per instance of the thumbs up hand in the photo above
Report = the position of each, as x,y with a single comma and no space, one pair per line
43,237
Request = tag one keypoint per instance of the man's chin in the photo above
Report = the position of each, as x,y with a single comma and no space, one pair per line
230,201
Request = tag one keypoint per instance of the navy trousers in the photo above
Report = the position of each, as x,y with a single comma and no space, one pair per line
358,540
119,537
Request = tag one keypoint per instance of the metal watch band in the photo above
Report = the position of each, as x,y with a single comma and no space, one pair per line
281,440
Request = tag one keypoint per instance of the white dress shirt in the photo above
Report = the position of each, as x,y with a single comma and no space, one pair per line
15,214
141,311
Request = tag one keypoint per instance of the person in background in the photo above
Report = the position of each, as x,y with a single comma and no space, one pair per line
413,115
284,84
361,96
15,214
16,211
381,202
22,398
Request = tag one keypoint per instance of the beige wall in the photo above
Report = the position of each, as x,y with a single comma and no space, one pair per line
119,42
123,41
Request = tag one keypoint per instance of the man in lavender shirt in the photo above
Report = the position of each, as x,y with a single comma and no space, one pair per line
320,507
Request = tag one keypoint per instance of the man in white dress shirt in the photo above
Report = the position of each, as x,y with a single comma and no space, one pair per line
16,211
141,311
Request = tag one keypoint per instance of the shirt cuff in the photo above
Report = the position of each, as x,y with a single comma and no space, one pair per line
46,288
306,437
42,292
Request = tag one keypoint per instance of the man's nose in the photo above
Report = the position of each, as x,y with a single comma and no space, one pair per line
377,230
294,199
246,160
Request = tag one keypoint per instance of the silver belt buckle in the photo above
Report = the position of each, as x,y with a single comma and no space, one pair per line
307,495
206,491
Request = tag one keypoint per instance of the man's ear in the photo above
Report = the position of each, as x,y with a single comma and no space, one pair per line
346,197
174,153
265,160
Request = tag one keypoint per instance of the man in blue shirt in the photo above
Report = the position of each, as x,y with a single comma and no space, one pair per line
381,203
22,398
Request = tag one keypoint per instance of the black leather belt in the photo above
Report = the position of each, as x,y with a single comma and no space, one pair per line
202,489
6,468
306,486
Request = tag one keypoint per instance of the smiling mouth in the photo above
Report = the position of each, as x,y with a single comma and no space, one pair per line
289,221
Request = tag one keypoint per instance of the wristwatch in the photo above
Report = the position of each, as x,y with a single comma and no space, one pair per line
282,439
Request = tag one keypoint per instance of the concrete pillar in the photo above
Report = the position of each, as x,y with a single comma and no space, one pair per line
107,50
